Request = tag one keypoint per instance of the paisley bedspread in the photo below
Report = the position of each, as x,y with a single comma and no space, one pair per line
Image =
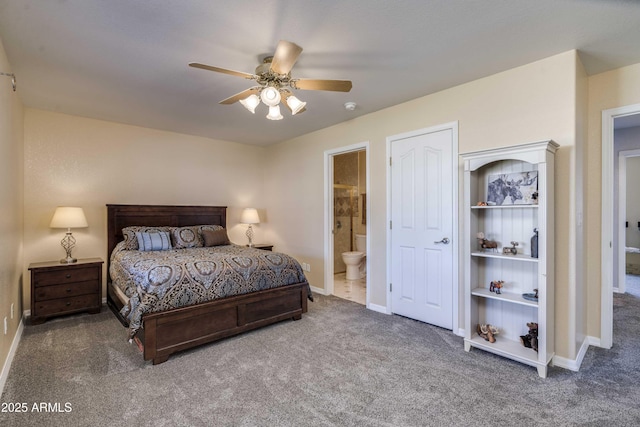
158,281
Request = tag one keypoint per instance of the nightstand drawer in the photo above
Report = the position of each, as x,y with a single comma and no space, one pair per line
63,305
44,293
70,275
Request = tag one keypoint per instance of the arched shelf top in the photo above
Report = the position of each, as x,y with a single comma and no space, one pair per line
533,153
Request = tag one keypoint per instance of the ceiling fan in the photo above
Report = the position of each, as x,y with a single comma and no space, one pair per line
275,83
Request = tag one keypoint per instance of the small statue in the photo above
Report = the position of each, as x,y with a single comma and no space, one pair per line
486,244
531,339
511,250
488,332
495,286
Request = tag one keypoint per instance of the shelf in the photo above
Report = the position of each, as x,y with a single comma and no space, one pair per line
507,348
505,207
504,296
498,255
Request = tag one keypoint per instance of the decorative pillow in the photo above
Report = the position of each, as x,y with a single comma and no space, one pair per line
211,227
215,237
159,241
186,237
129,234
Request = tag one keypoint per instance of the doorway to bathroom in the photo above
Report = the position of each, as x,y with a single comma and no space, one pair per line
346,205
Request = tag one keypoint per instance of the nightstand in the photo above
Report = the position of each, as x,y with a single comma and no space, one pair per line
58,289
263,246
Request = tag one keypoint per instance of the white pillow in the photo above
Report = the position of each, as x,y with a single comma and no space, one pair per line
154,241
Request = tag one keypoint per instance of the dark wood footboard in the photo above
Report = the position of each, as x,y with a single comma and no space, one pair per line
179,329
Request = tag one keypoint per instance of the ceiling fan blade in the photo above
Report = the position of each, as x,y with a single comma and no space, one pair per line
315,84
222,70
285,57
242,95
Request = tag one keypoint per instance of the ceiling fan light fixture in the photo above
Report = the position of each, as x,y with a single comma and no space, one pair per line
274,113
273,78
295,104
270,96
251,102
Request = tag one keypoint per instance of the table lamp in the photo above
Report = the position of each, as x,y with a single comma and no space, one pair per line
250,216
68,217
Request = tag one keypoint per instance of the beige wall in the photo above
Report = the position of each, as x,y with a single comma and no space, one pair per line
11,209
74,161
613,89
525,104
581,126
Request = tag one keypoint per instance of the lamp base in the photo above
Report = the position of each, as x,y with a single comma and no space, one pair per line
68,243
249,234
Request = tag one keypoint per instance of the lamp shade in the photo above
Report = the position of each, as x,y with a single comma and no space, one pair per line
270,96
249,216
250,102
274,113
295,104
68,217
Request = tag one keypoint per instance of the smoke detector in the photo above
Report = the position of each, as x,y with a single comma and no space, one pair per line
350,106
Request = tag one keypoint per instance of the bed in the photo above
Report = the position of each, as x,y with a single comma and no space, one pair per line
162,333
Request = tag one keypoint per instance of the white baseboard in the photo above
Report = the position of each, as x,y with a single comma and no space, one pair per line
574,364
595,341
320,291
12,352
378,308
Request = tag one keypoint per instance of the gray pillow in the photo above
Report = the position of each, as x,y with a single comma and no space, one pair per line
215,237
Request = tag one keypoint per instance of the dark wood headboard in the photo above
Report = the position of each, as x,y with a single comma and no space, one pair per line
121,216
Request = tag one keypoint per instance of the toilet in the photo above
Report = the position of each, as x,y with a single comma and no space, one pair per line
355,260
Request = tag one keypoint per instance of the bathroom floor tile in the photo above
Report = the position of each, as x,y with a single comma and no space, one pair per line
353,290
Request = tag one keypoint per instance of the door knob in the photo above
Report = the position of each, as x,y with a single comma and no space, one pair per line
444,240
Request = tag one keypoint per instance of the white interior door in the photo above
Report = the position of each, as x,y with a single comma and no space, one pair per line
422,215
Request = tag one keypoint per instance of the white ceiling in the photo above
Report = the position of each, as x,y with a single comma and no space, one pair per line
126,61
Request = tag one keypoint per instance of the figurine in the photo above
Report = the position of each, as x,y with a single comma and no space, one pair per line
481,204
511,250
486,244
495,286
531,339
488,332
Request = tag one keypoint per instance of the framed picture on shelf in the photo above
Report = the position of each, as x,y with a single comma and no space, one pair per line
519,188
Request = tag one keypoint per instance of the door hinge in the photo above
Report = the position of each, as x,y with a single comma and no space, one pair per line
390,225
390,287
389,161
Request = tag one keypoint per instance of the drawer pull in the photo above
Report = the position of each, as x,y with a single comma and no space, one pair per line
68,304
68,276
68,290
